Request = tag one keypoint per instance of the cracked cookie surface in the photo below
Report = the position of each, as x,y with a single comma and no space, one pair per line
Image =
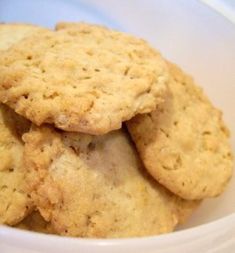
82,78
184,143
14,201
13,33
95,186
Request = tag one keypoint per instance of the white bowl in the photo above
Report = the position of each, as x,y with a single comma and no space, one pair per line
203,43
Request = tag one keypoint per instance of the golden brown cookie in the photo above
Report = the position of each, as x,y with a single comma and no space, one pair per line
95,186
82,78
184,142
14,201
13,33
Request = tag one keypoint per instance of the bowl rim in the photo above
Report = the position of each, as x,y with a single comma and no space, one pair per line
223,8
18,237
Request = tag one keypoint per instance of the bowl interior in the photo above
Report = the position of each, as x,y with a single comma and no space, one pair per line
186,32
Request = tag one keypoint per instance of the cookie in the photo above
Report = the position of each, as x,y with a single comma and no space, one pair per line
82,78
95,186
14,201
184,142
13,33
35,222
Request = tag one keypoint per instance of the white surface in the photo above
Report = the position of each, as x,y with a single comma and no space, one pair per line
188,33
216,237
225,7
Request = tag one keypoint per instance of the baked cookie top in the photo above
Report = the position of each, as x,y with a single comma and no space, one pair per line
83,78
95,186
14,201
184,143
13,33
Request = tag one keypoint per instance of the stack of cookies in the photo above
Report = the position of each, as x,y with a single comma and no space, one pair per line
100,136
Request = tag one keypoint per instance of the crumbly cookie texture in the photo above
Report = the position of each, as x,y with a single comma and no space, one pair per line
13,33
95,186
184,142
35,222
82,78
14,201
